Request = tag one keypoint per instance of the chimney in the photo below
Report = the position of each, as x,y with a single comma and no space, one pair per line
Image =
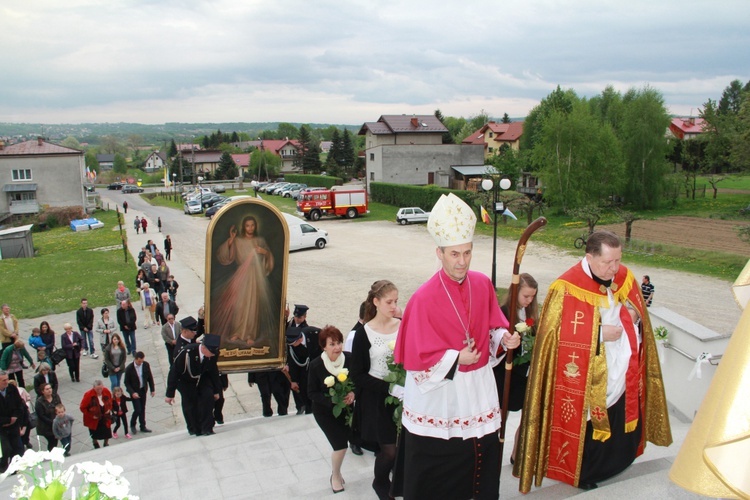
39,141
414,121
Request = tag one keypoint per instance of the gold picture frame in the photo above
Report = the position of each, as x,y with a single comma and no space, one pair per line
247,250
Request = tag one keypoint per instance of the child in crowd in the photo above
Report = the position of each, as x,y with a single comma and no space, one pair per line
62,427
36,341
120,411
43,357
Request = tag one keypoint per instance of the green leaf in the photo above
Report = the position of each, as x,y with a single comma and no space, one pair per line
336,411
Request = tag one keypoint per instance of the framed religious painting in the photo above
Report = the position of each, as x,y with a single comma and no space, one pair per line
247,248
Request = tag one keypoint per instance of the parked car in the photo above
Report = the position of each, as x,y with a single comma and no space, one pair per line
131,188
267,187
115,185
288,191
304,235
195,191
211,211
192,207
277,188
219,188
212,199
411,214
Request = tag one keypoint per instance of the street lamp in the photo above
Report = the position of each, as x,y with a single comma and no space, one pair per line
200,179
174,185
498,207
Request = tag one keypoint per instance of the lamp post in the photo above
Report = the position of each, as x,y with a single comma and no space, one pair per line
200,187
174,185
498,207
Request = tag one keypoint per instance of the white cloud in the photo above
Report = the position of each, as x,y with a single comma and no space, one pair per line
349,62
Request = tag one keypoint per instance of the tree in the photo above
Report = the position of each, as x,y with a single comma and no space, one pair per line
559,100
578,157
120,165
348,157
71,142
507,163
731,99
447,136
264,164
589,213
227,168
628,218
644,146
506,118
288,131
172,149
308,156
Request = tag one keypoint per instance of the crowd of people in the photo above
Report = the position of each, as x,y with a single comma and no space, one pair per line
585,373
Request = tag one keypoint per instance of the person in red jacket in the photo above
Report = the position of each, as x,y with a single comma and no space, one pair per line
144,224
96,407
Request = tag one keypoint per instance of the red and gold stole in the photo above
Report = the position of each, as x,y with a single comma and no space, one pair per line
580,386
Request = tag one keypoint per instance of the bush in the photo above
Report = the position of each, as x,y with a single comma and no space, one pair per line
60,216
425,197
325,181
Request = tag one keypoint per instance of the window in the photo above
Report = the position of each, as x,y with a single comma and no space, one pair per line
372,156
490,134
307,228
22,197
22,174
372,176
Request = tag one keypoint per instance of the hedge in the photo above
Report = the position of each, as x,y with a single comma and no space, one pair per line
325,181
425,197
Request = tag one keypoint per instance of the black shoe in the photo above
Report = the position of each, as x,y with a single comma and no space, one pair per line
96,445
301,411
356,449
133,430
209,433
146,430
588,486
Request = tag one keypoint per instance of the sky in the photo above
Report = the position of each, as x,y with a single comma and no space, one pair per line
351,61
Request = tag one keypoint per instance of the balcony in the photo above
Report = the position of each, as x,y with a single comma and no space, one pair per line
23,207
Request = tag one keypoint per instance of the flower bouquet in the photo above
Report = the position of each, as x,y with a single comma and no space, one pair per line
338,387
528,335
37,482
396,377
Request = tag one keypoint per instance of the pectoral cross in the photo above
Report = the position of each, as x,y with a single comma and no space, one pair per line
468,338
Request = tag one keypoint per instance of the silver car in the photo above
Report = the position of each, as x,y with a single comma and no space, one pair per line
411,214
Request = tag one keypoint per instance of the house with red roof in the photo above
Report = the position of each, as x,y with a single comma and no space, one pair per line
36,173
409,149
687,128
242,160
492,136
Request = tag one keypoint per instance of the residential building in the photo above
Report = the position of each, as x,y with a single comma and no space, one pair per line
409,149
105,161
492,136
687,128
242,160
155,161
38,173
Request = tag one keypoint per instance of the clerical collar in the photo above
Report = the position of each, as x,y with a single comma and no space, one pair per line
603,284
596,278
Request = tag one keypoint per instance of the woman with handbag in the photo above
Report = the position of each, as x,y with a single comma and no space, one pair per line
115,357
45,412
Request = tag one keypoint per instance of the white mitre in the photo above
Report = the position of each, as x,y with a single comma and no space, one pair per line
451,221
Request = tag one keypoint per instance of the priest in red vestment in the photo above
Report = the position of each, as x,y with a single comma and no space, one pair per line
451,329
595,393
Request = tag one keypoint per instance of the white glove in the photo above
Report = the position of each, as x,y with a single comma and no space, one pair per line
397,392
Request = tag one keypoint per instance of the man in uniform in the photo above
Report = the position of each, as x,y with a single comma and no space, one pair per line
451,328
302,347
271,383
196,375
595,392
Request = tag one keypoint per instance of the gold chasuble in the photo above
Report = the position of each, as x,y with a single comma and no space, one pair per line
568,379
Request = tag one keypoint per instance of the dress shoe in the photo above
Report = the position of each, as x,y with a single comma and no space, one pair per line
133,429
356,449
588,486
334,489
209,433
146,430
301,411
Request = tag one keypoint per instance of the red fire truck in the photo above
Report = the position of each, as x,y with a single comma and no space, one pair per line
345,201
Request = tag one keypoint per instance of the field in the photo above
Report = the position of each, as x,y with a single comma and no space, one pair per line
691,232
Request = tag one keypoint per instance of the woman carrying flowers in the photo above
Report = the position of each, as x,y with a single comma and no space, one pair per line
526,319
332,394
369,369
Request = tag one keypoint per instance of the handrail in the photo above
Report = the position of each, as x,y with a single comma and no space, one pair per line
693,358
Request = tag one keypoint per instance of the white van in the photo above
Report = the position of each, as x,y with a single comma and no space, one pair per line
303,235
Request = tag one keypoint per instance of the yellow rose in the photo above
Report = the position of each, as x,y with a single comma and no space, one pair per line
329,381
392,345
342,377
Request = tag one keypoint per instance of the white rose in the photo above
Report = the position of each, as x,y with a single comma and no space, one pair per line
521,327
329,381
392,345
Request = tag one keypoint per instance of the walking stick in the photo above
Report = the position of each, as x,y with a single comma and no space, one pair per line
513,313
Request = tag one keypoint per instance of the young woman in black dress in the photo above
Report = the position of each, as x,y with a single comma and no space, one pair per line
369,352
330,363
528,308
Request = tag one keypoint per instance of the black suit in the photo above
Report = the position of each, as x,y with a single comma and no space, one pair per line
11,405
126,318
85,320
133,387
40,382
173,309
198,381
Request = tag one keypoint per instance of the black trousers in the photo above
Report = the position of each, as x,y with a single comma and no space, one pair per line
170,353
273,384
74,368
139,409
10,442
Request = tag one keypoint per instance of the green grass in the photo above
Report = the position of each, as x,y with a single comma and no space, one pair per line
68,266
734,182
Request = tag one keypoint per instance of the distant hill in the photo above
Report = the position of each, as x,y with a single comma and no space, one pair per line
91,132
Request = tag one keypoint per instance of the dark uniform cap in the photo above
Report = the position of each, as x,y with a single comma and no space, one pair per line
189,323
292,334
212,342
300,310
